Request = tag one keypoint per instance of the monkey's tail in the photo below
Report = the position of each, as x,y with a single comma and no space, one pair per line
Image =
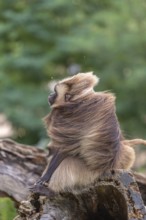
134,142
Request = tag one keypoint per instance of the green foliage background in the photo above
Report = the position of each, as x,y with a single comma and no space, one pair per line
39,40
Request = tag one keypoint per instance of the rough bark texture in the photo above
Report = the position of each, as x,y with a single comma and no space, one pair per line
114,196
20,166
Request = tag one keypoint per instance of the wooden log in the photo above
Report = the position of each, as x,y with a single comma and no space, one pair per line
20,166
114,196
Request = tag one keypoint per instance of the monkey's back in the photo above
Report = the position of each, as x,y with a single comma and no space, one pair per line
89,129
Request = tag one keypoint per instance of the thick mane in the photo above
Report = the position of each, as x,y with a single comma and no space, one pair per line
89,129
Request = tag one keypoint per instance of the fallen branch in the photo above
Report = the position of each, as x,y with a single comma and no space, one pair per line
114,196
20,166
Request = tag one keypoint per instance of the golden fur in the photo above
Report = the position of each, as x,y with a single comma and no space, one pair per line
83,124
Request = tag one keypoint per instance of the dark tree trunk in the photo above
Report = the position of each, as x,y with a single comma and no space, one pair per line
115,196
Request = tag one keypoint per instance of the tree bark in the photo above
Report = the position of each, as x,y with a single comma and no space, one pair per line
20,166
114,196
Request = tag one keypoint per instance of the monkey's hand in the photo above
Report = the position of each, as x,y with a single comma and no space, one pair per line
41,181
39,188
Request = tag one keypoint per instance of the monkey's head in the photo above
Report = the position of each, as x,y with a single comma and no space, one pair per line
73,88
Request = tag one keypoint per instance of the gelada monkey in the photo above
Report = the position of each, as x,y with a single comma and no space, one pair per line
86,138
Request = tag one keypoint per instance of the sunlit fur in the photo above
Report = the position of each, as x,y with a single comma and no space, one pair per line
84,124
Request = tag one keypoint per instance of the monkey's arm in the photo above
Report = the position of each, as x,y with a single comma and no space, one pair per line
58,157
39,186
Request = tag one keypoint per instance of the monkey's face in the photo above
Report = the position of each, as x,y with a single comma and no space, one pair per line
72,89
57,98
